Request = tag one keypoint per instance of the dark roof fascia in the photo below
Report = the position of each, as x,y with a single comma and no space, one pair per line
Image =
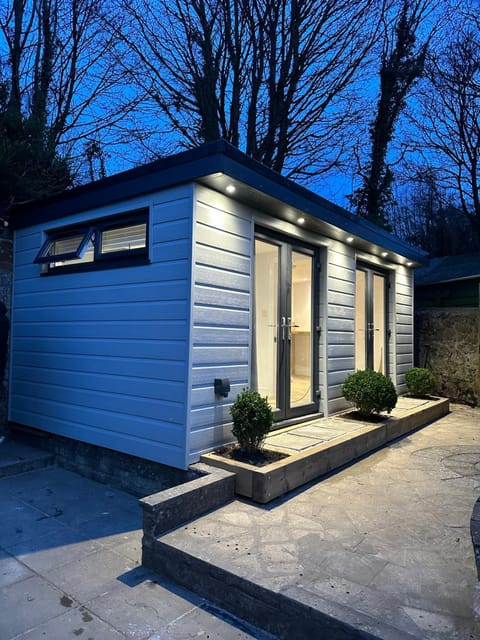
263,179
160,174
193,165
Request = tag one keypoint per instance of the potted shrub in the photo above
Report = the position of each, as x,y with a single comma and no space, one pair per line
370,391
420,382
252,418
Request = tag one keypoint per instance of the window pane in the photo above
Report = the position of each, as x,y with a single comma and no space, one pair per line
124,238
267,257
60,246
301,370
360,320
88,256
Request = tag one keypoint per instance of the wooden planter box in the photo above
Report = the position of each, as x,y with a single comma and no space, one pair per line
263,484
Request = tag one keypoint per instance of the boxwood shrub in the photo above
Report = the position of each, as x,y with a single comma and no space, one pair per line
371,391
420,381
252,419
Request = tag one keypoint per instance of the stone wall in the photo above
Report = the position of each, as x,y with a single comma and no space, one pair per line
448,343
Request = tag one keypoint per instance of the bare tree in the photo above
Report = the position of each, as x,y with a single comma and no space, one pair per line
57,91
269,76
450,117
402,64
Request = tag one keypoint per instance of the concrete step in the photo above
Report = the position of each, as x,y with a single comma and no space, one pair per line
17,457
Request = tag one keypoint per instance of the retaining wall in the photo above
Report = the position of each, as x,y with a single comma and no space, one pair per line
448,343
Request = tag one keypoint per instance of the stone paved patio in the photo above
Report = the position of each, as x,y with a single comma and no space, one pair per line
383,545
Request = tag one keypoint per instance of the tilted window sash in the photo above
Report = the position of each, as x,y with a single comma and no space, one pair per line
62,247
116,241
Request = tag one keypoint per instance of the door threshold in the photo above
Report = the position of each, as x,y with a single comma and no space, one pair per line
291,422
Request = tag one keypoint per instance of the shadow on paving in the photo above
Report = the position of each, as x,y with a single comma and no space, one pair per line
70,553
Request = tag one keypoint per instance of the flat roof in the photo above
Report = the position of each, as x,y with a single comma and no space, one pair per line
449,269
216,164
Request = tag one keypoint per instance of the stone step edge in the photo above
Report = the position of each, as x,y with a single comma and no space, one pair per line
23,466
277,613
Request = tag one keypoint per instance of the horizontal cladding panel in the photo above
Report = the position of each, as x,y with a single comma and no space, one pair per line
213,276
218,317
148,448
346,300
206,355
102,365
220,336
221,240
152,389
205,397
202,439
122,348
339,350
339,273
124,312
343,287
108,329
341,337
210,216
340,311
161,430
341,324
178,229
172,204
235,373
108,294
205,255
222,298
403,314
170,251
337,404
135,276
71,399
338,377
211,415
27,240
341,364
404,348
334,392
403,299
404,292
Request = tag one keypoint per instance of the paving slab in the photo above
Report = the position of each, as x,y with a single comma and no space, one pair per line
383,546
70,566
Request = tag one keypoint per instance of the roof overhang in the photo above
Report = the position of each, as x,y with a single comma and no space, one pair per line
217,165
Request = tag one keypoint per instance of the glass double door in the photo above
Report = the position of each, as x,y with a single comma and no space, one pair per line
370,319
284,353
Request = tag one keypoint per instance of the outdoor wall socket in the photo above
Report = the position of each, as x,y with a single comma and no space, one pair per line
222,387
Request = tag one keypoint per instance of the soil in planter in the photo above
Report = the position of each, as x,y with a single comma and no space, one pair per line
374,418
260,458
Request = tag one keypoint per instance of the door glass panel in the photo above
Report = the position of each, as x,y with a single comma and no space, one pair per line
301,330
360,320
379,323
266,319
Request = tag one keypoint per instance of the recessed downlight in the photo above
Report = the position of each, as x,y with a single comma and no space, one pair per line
301,220
350,239
409,264
230,188
384,254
